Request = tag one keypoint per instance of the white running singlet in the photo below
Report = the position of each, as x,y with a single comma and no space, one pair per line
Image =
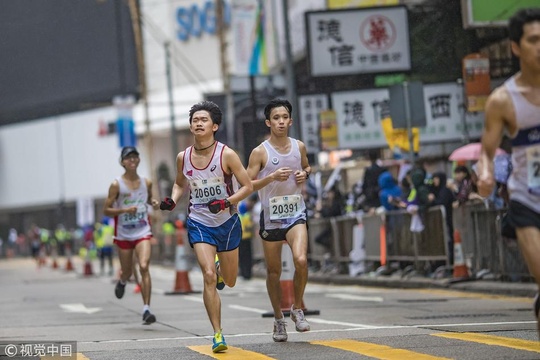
206,184
524,182
282,201
136,226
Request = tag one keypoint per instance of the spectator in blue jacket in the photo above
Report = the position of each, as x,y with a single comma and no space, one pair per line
390,193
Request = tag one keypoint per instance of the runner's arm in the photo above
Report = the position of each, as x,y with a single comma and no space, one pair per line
494,125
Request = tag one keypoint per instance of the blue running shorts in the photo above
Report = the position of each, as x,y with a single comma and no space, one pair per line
225,237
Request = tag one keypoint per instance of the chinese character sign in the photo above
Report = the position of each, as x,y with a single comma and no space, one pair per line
359,118
310,108
444,111
358,41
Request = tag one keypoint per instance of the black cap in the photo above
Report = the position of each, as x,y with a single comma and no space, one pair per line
126,150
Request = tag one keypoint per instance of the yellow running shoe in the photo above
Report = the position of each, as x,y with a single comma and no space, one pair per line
219,343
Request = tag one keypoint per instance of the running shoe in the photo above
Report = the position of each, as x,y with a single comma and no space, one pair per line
297,315
119,289
148,318
219,343
220,282
280,331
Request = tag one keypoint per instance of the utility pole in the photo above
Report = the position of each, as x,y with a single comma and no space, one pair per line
289,71
224,62
174,140
137,32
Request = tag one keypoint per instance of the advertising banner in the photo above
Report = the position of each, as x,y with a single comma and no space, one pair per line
253,37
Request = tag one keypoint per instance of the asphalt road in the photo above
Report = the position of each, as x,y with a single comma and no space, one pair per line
45,305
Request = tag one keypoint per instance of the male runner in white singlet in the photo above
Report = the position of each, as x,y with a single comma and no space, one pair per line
279,168
213,225
514,107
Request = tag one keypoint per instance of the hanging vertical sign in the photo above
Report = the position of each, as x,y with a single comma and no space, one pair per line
477,81
125,126
310,106
329,130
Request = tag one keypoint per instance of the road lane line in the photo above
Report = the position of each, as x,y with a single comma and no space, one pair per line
233,353
376,351
513,343
249,309
475,295
355,297
311,319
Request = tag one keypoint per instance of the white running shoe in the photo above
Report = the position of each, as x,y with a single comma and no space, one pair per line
280,331
297,315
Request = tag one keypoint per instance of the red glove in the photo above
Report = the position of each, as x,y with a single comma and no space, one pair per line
167,204
216,206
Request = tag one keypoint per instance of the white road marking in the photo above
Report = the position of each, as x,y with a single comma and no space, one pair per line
311,319
79,308
355,297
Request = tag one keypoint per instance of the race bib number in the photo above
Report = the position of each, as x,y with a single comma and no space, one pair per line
533,169
137,220
202,191
285,207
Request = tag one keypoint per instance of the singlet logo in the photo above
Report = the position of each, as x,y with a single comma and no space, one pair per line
213,168
275,160
534,136
190,173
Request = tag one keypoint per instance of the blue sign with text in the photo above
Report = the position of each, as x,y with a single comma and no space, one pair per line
197,19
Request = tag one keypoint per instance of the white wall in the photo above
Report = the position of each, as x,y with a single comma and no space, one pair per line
46,160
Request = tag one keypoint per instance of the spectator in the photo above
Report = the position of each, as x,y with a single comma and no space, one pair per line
390,194
465,188
390,197
441,195
12,242
370,183
332,206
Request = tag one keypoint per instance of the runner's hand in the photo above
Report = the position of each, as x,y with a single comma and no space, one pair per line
216,206
167,204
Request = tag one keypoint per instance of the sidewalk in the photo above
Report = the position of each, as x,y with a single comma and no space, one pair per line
492,287
489,287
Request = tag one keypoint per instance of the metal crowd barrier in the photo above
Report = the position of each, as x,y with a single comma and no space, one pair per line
340,239
401,243
487,250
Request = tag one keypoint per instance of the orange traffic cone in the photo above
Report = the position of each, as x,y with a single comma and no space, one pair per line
181,285
287,285
42,261
69,264
88,265
461,272
54,264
